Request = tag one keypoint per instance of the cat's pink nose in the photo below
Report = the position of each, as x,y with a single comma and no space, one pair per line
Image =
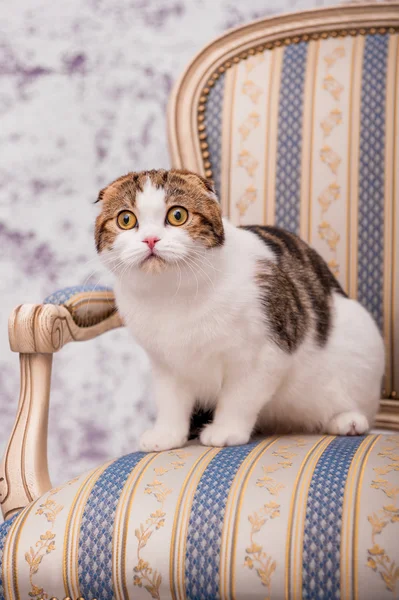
151,241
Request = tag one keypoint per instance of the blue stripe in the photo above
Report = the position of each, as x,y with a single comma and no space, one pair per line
322,535
289,137
95,542
371,176
4,529
65,294
213,128
206,523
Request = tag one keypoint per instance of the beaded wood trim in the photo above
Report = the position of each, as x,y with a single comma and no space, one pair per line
392,396
66,598
287,41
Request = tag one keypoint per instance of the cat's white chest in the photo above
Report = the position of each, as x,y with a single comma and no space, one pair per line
195,343
173,332
169,329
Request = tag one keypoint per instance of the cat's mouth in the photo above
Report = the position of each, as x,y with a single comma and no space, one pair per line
153,263
153,257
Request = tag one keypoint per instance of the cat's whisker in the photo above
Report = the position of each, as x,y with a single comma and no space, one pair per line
92,273
90,297
125,269
207,265
193,262
112,266
207,261
194,273
176,262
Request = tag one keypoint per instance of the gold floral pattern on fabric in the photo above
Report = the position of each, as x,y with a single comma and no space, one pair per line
50,509
332,58
248,197
330,158
145,576
256,558
329,234
378,559
248,162
253,91
251,122
331,85
332,192
329,195
332,120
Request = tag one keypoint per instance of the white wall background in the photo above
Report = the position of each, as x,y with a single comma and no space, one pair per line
83,92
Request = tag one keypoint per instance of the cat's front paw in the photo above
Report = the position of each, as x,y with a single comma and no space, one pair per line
156,440
221,435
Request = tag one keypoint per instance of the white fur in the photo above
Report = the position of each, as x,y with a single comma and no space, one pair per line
201,323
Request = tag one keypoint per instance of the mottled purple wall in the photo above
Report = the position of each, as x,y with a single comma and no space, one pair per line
84,87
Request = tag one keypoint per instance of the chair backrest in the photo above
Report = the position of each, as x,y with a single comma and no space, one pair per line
296,119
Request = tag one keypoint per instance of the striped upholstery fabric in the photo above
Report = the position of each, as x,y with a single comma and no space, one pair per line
88,304
285,517
305,136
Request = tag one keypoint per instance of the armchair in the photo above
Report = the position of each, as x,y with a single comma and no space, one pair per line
296,120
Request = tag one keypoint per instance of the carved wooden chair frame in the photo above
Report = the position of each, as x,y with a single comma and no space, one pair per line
36,332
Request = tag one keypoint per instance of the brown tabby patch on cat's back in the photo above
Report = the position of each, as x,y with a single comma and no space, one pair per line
297,290
182,188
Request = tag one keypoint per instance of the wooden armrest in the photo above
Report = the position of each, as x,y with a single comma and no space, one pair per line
24,471
36,332
46,328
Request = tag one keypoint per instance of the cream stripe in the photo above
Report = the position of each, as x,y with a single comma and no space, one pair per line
354,151
248,136
7,574
395,219
10,571
186,519
346,564
289,537
348,191
139,471
174,529
227,131
388,203
273,136
71,535
307,138
355,529
180,525
300,516
266,204
232,516
120,517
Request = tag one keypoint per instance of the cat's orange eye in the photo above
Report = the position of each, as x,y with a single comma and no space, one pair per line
126,219
177,216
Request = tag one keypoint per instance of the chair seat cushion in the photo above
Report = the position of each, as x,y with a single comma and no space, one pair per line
283,517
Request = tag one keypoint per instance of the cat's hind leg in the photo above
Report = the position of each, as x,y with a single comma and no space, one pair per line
348,423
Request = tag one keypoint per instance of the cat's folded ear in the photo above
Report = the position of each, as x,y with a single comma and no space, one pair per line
112,186
195,178
209,184
100,195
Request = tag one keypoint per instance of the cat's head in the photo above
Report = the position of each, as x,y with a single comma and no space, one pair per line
153,220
